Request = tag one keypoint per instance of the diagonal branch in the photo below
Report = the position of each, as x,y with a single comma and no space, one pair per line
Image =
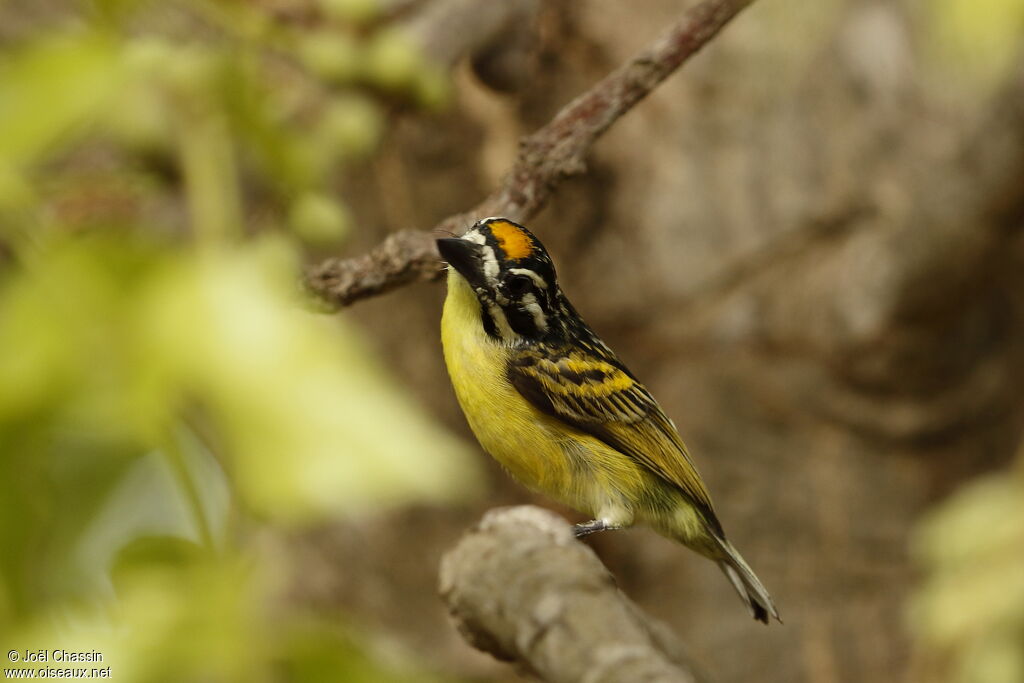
553,153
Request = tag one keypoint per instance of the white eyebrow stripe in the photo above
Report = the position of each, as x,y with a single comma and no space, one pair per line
491,268
530,274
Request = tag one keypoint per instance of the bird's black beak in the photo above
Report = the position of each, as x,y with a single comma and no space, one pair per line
463,256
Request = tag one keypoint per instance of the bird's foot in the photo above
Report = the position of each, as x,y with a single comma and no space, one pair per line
592,527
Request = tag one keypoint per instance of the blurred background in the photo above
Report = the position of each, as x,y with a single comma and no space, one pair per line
808,244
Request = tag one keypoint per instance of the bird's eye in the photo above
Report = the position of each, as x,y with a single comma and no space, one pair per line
518,284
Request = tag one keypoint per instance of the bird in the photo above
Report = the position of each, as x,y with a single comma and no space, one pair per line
554,405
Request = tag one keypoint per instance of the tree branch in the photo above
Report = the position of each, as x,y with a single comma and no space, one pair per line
404,257
553,153
521,588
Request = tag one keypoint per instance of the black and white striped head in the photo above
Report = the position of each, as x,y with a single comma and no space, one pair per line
513,278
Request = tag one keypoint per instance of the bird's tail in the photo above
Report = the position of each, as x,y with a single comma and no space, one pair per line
746,583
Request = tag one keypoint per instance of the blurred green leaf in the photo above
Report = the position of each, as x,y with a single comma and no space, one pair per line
319,220
49,87
393,61
970,608
332,56
321,652
979,37
15,192
140,117
164,397
349,127
313,423
351,10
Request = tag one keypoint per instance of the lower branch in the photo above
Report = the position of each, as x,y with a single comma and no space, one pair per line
522,588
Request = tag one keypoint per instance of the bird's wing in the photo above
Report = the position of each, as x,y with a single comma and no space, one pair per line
600,396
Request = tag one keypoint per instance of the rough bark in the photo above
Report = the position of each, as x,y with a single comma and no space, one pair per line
522,588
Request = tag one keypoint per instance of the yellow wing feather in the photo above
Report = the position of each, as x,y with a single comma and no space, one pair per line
600,397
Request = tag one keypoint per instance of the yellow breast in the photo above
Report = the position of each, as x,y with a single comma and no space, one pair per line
507,426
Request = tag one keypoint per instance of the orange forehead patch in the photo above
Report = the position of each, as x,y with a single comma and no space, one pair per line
511,239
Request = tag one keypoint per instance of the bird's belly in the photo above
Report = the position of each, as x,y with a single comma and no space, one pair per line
516,434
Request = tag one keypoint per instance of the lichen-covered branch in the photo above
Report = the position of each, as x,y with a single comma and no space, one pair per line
522,588
552,153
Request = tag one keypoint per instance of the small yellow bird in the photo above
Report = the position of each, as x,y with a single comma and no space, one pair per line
556,407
